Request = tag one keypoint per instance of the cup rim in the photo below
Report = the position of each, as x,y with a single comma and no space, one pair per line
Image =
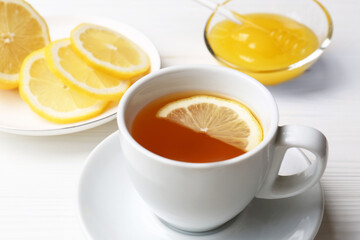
128,94
307,60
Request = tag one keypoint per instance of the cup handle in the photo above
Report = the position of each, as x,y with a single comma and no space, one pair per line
276,186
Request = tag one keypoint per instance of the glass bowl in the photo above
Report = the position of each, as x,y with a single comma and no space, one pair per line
311,13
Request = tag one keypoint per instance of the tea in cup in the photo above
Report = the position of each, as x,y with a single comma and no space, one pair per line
196,127
198,196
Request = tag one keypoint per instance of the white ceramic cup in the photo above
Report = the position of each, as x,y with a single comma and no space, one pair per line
199,197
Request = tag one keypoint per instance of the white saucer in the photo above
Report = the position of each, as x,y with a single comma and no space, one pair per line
110,209
16,116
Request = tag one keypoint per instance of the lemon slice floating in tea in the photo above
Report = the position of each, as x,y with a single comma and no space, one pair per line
77,74
109,51
22,30
226,120
49,97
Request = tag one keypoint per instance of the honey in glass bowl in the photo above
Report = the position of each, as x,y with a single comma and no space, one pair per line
269,46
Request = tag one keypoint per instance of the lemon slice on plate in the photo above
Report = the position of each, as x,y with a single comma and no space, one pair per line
77,74
50,98
22,30
225,120
109,51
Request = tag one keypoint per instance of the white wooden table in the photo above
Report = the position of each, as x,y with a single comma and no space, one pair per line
38,175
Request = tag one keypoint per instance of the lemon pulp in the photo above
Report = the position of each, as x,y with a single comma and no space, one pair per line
226,120
22,30
109,51
76,73
47,96
273,42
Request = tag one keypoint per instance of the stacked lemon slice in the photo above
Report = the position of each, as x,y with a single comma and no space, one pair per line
67,80
22,30
49,97
77,74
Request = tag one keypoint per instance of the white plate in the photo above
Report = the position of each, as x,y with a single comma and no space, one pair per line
16,117
109,207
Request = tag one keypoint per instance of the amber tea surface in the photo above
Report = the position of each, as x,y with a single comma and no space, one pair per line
173,141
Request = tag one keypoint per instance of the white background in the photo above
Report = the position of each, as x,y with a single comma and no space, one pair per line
38,175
